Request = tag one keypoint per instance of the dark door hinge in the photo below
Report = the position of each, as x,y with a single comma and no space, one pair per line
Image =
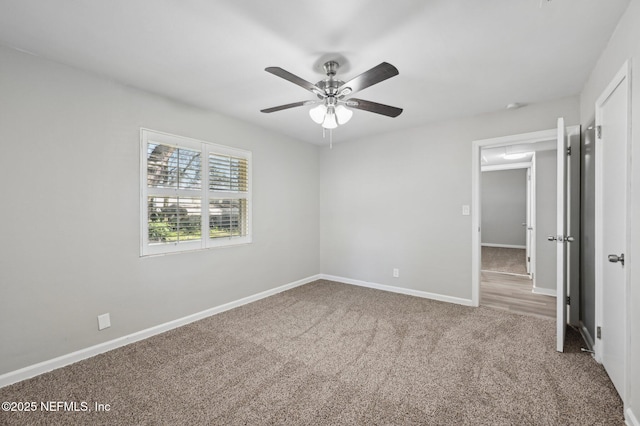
568,300
599,132
599,332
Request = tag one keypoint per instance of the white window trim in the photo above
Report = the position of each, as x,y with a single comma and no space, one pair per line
206,242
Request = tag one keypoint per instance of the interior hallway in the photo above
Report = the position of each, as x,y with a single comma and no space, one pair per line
505,285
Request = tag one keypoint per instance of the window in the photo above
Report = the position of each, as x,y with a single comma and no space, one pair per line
195,194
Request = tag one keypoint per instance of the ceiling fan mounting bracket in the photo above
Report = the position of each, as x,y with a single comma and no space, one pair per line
331,68
330,85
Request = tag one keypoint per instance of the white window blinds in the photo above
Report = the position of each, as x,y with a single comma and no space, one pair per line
188,203
228,173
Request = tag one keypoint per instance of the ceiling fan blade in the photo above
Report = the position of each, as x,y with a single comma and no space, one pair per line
295,80
368,78
387,110
287,106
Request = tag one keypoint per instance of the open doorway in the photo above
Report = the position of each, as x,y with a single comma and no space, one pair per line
507,198
563,241
510,220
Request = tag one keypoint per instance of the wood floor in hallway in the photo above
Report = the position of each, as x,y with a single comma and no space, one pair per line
513,293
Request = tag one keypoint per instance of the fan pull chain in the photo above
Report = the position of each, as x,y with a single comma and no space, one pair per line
324,135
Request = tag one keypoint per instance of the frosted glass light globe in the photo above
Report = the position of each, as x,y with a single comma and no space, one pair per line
330,119
317,114
343,114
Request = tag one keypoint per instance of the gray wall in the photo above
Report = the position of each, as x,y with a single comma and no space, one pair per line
395,200
624,44
359,210
504,207
70,213
546,190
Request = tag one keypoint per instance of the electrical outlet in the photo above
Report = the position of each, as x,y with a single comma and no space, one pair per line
104,321
396,272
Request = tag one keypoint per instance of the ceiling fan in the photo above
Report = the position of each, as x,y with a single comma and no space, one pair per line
332,107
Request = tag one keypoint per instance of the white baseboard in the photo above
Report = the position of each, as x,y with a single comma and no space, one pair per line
545,291
630,419
401,290
502,246
73,357
507,273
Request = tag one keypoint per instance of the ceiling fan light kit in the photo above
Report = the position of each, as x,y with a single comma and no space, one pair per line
330,116
330,110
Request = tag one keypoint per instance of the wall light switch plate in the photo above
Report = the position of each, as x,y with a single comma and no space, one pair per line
396,272
466,210
104,321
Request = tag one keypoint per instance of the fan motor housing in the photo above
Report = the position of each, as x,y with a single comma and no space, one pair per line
329,86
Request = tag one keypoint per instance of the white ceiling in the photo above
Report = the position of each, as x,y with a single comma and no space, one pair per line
495,156
456,57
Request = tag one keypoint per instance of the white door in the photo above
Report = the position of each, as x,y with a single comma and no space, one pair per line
561,222
612,111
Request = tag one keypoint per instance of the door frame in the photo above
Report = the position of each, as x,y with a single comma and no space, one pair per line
622,75
476,213
531,226
476,167
530,189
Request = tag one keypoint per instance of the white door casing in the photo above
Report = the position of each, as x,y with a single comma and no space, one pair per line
611,213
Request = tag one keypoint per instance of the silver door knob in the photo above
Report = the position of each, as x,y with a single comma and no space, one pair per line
552,238
614,258
569,239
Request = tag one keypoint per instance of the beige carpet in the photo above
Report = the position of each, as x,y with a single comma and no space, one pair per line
330,354
500,259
